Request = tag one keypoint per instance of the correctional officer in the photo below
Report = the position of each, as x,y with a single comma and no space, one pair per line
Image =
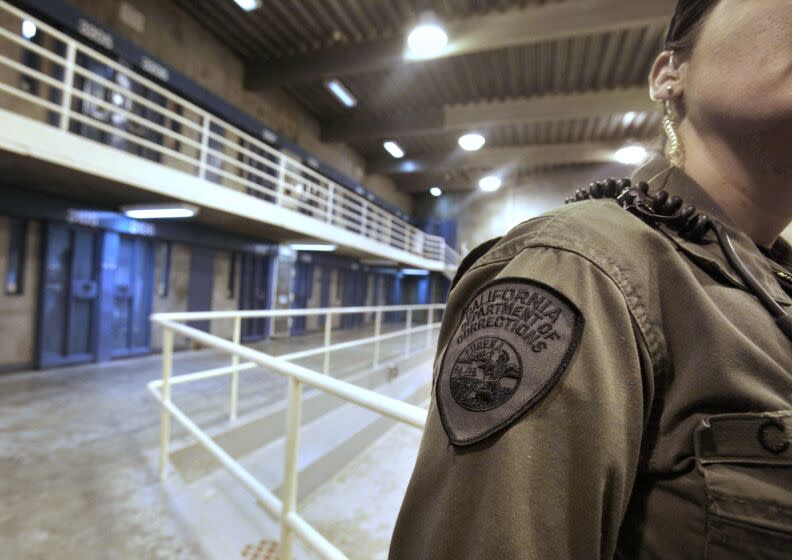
614,378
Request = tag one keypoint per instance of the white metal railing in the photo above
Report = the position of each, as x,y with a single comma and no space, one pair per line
285,509
84,92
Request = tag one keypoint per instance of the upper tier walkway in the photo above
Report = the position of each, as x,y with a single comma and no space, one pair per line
96,130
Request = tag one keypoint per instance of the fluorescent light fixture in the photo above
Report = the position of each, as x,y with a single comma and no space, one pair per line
324,247
415,272
472,141
342,93
426,40
630,155
490,183
247,5
393,149
435,191
29,29
159,211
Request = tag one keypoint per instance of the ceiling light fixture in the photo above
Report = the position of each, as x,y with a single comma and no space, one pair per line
159,211
29,29
341,92
393,149
435,191
426,40
490,183
629,117
472,141
630,155
325,248
415,272
247,5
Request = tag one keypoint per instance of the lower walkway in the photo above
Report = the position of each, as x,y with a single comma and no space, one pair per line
78,451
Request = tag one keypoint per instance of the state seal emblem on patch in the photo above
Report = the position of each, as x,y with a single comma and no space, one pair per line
515,339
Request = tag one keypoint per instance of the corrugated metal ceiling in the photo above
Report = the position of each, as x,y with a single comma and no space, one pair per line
587,63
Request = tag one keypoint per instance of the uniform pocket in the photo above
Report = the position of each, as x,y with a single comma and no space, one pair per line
746,460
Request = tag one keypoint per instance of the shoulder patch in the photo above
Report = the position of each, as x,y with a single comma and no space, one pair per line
515,340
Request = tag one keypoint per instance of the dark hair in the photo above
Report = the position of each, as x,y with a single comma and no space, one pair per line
686,25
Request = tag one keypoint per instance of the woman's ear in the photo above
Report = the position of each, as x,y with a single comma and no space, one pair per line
665,78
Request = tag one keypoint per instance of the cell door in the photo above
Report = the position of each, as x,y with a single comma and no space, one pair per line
69,292
303,285
132,289
354,295
200,285
254,293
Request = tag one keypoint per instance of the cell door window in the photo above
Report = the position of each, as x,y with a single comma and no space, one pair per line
132,288
254,293
70,296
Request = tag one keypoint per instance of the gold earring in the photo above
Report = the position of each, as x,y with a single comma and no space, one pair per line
674,150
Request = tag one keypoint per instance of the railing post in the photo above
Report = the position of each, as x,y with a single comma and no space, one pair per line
281,186
409,326
204,147
388,230
290,468
363,214
327,334
68,84
330,195
235,372
429,317
167,368
377,333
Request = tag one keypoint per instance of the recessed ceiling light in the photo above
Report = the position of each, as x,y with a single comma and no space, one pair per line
312,247
393,149
472,141
247,5
29,29
159,211
490,183
435,191
426,40
341,92
630,155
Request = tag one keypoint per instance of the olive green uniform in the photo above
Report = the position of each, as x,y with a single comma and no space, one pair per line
665,435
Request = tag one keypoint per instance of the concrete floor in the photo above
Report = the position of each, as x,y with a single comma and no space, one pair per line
78,450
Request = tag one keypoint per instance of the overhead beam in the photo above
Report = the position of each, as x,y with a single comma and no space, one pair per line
524,26
503,159
483,115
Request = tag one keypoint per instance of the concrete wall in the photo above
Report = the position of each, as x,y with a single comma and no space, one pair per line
220,297
315,301
176,300
18,312
173,36
481,216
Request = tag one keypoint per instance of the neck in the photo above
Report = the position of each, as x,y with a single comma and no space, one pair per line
748,182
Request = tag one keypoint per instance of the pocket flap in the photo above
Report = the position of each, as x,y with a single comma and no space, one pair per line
764,438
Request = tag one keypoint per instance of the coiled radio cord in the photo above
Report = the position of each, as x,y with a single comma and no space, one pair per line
660,208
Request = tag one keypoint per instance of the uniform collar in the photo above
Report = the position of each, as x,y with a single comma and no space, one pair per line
660,174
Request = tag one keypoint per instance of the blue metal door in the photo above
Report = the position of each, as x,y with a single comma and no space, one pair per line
353,295
302,289
69,292
393,296
254,293
199,294
131,291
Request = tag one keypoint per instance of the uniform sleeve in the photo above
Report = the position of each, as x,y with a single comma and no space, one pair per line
556,482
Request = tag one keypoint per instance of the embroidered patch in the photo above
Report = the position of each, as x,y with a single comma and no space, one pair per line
514,341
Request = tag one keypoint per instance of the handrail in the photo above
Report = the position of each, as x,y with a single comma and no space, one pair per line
291,523
201,144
